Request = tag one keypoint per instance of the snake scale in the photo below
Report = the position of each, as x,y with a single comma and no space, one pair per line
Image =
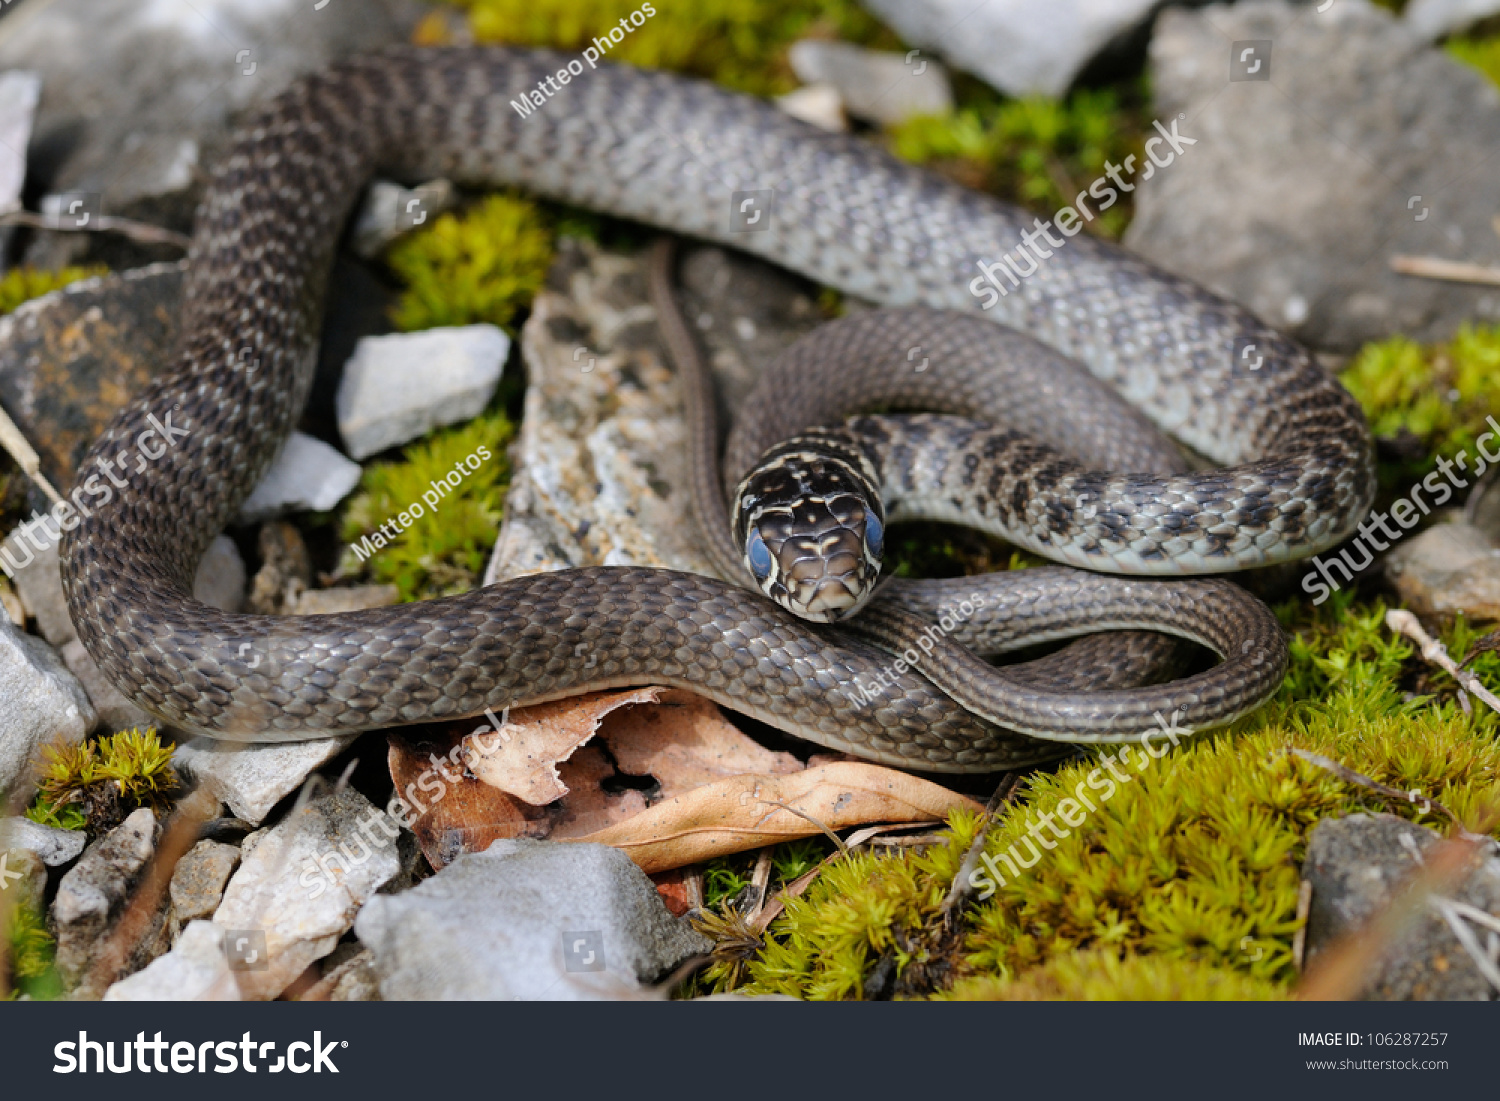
672,152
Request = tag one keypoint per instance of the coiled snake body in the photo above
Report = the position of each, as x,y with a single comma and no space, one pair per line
673,152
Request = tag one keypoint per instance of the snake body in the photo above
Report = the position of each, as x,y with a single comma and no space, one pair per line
673,152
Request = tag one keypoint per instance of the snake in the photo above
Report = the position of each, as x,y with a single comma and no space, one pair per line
1292,473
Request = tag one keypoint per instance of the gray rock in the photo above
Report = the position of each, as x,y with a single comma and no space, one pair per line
19,93
401,386
253,778
138,134
355,599
196,969
1019,46
95,891
199,879
220,581
300,888
391,211
115,711
40,703
874,85
1434,19
526,919
308,475
1356,866
33,547
600,472
55,847
1448,569
355,979
1362,144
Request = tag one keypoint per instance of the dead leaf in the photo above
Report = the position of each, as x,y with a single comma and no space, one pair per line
740,813
685,742
521,757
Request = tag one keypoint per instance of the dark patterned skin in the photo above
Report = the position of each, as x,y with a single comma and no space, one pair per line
670,152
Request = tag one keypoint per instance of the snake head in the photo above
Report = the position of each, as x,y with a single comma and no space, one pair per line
810,525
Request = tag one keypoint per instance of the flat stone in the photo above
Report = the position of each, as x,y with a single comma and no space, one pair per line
403,385
874,85
253,778
1434,19
95,891
196,969
1360,143
1448,569
1019,46
1356,866
69,360
818,104
355,979
307,476
301,887
199,880
41,703
53,846
600,472
526,919
355,599
23,878
36,572
390,211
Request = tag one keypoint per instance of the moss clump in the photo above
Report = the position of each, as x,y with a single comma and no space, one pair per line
1482,53
1037,151
96,784
29,955
442,551
23,284
1106,976
1194,859
1436,397
484,265
738,43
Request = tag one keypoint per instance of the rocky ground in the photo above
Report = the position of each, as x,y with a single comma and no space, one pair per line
1342,190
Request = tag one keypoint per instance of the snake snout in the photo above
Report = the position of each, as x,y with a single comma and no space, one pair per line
825,570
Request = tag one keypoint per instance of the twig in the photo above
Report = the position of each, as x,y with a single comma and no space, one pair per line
1299,939
1345,773
1449,908
1404,623
838,841
19,448
143,233
959,892
1453,271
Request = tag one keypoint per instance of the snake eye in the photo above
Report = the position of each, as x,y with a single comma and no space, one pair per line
759,555
874,534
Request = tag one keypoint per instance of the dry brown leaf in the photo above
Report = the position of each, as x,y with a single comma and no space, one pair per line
589,807
521,758
734,815
685,742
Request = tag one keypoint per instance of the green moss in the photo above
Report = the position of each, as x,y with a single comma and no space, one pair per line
1037,151
484,265
738,43
30,954
443,550
121,771
1434,398
1106,976
1482,53
22,284
1192,865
